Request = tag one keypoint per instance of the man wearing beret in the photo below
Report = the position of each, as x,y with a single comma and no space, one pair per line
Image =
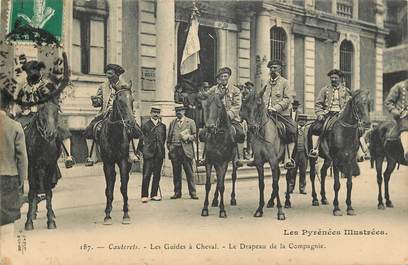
104,99
397,104
330,101
231,97
182,133
278,97
151,146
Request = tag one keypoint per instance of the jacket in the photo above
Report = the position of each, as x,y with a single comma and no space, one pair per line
397,99
13,152
279,95
104,93
325,99
152,143
231,98
189,125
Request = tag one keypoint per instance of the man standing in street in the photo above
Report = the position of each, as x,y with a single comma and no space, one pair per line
182,133
151,146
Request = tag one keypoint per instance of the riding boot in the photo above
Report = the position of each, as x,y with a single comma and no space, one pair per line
89,161
69,161
315,150
404,141
133,158
289,162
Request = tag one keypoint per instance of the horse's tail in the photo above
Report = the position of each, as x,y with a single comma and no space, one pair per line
376,143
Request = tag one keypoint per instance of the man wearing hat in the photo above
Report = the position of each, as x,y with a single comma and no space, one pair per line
330,101
300,156
231,97
278,97
151,146
295,110
182,133
34,89
104,99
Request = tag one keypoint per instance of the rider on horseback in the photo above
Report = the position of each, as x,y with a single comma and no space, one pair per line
330,101
37,87
231,97
104,99
397,104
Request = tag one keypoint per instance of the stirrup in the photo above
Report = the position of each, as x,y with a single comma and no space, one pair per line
89,162
69,162
314,153
290,164
201,163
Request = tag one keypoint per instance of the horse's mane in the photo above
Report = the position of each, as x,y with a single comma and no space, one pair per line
355,94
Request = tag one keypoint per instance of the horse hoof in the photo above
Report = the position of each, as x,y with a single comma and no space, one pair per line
389,204
325,201
337,213
204,212
270,204
233,202
29,226
107,221
126,221
281,216
315,203
381,206
288,205
51,225
258,213
223,214
214,203
351,212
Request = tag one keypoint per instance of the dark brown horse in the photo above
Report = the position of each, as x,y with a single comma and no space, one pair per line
266,144
114,142
219,151
381,149
343,143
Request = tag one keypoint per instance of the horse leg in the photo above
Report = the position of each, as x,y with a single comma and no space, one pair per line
110,178
323,174
349,176
387,175
312,162
50,213
124,169
234,179
208,168
270,203
32,202
289,175
378,167
261,185
336,186
275,190
215,199
221,171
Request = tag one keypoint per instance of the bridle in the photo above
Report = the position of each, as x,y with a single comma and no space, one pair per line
124,122
354,114
42,129
216,128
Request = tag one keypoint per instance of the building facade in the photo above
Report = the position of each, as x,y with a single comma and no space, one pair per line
146,37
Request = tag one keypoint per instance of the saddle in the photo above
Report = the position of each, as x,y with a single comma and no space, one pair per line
329,123
97,128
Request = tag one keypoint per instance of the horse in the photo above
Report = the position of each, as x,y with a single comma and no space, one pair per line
219,151
381,149
342,147
266,144
44,149
114,141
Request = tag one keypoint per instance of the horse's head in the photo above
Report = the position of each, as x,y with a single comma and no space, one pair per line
251,108
214,110
360,105
122,109
47,120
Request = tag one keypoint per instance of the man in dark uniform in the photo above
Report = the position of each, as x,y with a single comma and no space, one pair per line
397,104
151,146
300,156
180,139
331,100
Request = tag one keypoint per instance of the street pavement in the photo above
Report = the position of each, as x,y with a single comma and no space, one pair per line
173,232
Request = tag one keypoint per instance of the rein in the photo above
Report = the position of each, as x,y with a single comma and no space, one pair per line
354,115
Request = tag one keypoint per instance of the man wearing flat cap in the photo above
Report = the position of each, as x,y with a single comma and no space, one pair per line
231,97
182,133
104,99
330,101
151,146
278,97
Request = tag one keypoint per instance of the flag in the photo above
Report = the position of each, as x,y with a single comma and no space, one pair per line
191,58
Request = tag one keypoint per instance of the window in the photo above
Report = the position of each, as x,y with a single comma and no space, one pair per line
346,61
89,37
278,46
345,8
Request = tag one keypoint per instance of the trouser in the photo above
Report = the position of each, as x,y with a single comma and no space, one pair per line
239,136
9,199
301,164
151,166
179,160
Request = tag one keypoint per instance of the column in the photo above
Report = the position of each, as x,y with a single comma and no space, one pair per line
165,60
378,99
309,75
115,32
262,50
